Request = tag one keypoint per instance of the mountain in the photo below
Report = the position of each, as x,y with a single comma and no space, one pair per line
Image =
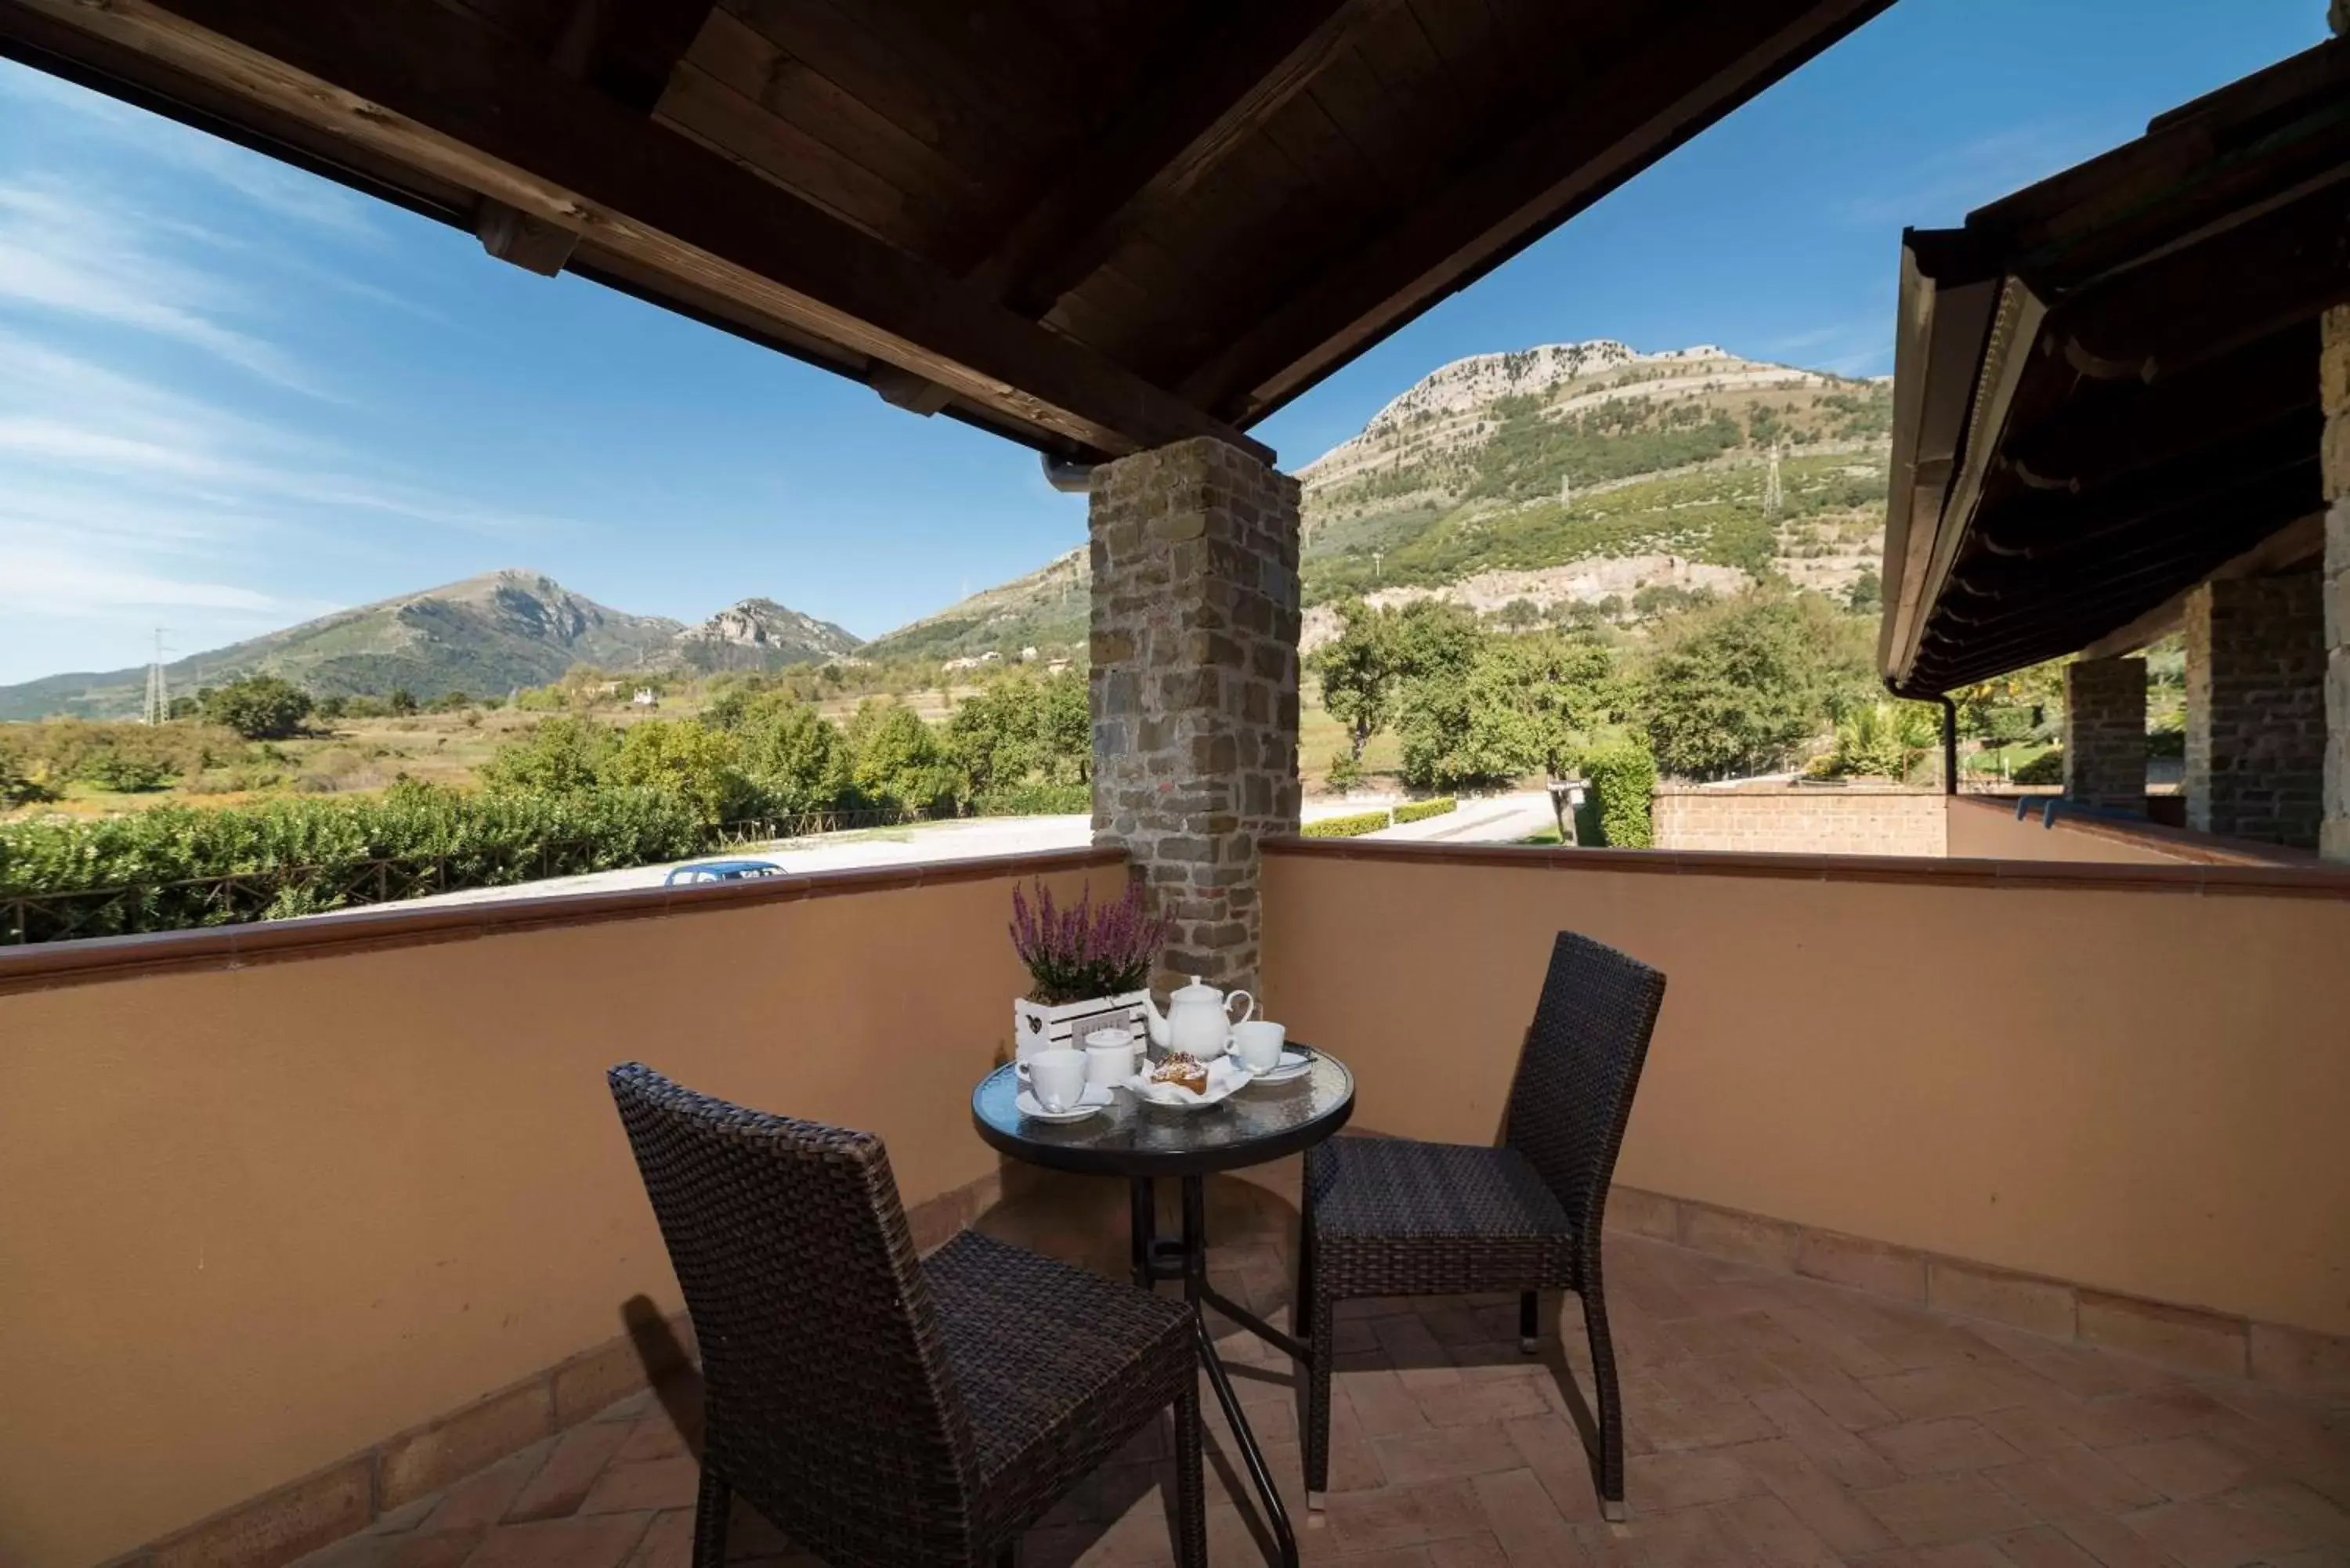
1046,608
485,635
760,634
1563,473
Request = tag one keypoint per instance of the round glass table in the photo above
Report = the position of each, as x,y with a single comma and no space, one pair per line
1140,1141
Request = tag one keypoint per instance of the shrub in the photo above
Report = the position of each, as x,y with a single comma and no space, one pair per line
1080,954
2047,768
123,773
1353,826
1420,810
1622,777
1345,772
1035,800
258,707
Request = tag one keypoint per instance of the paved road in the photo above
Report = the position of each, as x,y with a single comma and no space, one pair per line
1503,819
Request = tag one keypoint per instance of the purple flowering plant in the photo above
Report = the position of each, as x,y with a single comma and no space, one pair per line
1084,951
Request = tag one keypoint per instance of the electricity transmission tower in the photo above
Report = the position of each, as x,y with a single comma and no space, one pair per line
158,687
1774,493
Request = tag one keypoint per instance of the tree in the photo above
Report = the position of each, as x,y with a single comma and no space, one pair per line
897,758
681,757
1527,704
401,702
331,706
258,707
1740,687
791,754
1885,740
1359,673
557,756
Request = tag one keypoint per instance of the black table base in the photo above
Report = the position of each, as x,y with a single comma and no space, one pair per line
1187,1259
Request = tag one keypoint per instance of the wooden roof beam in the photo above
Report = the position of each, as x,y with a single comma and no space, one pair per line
439,94
1624,115
1233,78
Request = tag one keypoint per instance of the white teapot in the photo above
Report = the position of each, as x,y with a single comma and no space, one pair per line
1198,1020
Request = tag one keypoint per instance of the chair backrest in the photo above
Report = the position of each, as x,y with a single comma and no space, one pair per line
1582,1063
826,1398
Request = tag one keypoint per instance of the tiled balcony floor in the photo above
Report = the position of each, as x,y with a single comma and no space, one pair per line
1774,1420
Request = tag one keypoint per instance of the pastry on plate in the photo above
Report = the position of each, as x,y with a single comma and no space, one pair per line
1186,1072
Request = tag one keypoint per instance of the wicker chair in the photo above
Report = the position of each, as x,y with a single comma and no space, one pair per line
882,1410
1392,1218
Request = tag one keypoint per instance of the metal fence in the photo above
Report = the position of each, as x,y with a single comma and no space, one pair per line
281,892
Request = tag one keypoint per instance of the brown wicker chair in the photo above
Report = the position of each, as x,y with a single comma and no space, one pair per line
1391,1218
883,1411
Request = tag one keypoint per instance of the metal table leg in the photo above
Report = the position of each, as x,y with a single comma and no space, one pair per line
1193,1262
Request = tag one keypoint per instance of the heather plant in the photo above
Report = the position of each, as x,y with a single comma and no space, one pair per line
1084,951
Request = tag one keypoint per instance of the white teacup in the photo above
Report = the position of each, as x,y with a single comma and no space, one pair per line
1109,1057
1258,1045
1057,1078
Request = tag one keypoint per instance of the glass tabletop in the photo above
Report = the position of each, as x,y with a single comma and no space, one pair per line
1131,1136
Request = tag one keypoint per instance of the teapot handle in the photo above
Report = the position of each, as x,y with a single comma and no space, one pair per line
1240,996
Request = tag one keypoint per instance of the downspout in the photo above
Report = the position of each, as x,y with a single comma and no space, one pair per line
1069,478
1950,744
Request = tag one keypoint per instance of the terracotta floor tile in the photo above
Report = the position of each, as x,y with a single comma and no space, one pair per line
1951,1443
1771,1420
2182,1468
1940,1510
602,1542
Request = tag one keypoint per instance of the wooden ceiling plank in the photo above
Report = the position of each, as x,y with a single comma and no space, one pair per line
1234,77
1637,109
423,84
780,82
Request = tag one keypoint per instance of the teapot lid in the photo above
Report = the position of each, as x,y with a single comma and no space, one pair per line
1198,990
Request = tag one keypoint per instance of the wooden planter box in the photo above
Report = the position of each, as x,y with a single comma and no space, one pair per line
1037,1027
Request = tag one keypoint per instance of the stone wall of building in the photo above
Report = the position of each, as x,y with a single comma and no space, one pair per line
2256,699
2335,376
2105,734
1194,687
1800,820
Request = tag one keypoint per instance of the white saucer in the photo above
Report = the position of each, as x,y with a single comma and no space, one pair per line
1293,1065
1097,1097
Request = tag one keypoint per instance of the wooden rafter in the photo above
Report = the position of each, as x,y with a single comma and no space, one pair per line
1233,79
429,89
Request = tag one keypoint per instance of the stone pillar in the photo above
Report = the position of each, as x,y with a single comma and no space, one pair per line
2256,708
1194,687
2105,734
2334,840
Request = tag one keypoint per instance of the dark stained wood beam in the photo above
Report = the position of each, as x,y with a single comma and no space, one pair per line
1236,74
437,93
1680,78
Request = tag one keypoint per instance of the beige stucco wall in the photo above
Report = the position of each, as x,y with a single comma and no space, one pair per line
1799,820
255,1221
2139,1090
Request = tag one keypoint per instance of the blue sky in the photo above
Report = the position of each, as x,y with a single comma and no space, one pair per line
233,396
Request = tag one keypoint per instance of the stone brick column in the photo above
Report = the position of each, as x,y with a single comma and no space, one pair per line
1194,687
2105,734
2256,682
2334,840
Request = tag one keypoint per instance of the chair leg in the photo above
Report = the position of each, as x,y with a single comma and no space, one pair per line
1530,1322
710,1511
1318,1352
1190,1484
1009,1557
1611,1405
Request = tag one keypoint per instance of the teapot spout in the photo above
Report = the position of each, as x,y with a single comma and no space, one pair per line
1155,1020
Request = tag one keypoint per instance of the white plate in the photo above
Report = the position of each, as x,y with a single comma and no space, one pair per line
1096,1098
1225,1078
1293,1065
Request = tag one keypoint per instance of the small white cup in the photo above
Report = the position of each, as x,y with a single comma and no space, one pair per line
1109,1057
1057,1078
1258,1045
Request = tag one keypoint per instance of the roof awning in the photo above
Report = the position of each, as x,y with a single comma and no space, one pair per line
1092,227
2105,384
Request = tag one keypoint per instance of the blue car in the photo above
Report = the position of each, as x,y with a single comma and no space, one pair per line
722,871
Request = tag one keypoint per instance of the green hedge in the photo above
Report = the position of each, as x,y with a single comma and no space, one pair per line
1035,800
1623,779
1353,826
1420,810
